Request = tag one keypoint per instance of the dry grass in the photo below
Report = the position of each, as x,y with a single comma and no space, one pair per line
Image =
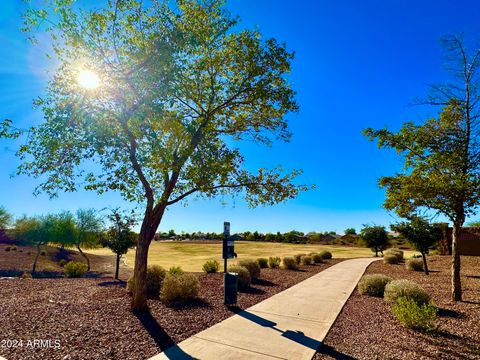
192,255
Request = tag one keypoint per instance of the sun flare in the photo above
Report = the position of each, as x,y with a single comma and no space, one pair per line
88,79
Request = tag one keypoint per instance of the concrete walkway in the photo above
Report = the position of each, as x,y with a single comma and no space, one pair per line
289,325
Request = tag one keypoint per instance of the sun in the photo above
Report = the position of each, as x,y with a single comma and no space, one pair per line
88,79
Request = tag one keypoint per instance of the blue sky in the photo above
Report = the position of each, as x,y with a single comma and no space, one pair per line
357,64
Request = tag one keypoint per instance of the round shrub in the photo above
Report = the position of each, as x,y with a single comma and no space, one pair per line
274,262
407,289
175,270
413,315
62,262
414,265
306,260
326,255
14,248
373,285
211,266
263,263
317,258
243,276
74,269
252,267
155,276
290,263
43,253
390,259
26,275
396,252
8,248
179,287
298,258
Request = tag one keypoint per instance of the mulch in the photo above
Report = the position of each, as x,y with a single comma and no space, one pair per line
91,318
366,328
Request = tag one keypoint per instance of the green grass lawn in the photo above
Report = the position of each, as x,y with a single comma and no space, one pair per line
191,255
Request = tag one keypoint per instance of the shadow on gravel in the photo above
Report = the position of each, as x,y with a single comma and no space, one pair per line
328,350
190,304
161,338
252,290
120,283
449,313
263,282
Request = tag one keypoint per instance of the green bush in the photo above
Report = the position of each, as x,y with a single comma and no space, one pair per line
62,262
211,266
8,248
407,289
373,285
175,270
263,263
413,315
179,287
155,276
274,262
317,258
244,278
298,258
390,259
414,265
43,253
74,269
306,260
397,252
290,263
326,255
252,267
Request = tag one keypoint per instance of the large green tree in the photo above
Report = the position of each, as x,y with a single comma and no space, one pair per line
441,156
180,85
375,237
5,218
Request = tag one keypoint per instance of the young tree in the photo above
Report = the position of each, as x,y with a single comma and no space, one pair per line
5,218
88,230
375,237
442,156
421,234
119,237
165,91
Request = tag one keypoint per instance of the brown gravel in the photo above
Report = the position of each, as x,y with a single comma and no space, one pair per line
91,318
366,329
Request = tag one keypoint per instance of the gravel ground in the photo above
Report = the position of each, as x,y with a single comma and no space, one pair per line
91,318
366,329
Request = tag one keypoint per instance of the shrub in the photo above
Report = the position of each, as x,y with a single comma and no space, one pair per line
175,270
274,262
326,255
252,267
75,269
290,263
62,262
298,258
413,315
8,248
243,276
43,253
20,250
390,259
155,276
397,252
26,275
373,285
306,260
211,266
414,265
179,287
14,248
317,258
263,263
407,289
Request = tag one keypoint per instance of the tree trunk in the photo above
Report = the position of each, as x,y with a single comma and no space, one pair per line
84,256
149,227
34,267
376,252
425,265
456,281
117,266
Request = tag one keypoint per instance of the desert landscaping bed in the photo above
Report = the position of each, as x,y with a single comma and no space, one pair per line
366,328
91,318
